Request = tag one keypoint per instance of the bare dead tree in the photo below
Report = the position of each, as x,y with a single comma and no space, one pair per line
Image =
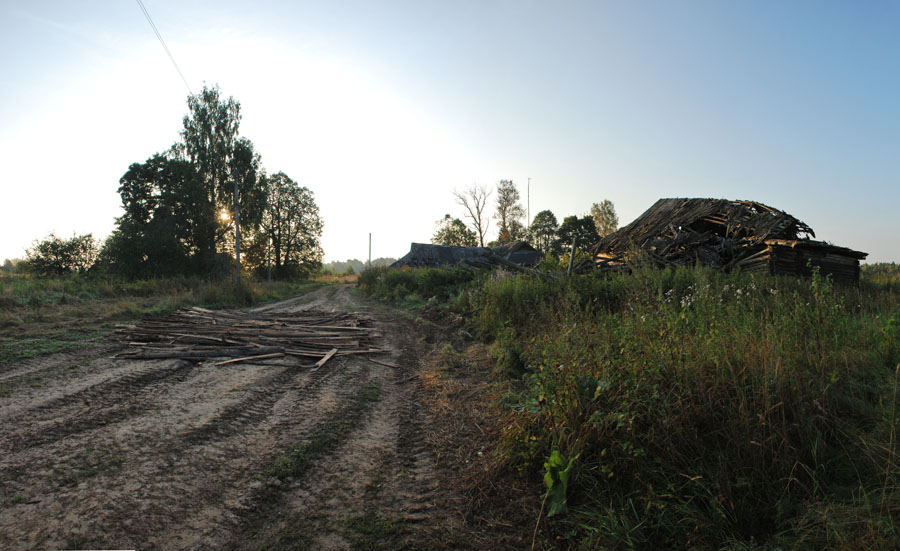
474,200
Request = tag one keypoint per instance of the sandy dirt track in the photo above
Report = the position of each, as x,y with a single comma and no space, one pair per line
97,452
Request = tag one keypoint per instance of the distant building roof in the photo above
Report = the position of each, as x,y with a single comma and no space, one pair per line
430,255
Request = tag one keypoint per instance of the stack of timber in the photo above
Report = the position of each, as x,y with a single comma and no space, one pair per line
197,334
725,235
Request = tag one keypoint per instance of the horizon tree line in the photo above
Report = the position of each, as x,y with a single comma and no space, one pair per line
544,232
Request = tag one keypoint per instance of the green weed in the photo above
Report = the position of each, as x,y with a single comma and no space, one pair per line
370,532
413,287
696,408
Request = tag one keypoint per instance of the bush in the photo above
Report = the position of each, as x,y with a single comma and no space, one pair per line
414,284
56,256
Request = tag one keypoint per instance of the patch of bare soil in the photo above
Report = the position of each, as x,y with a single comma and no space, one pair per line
97,452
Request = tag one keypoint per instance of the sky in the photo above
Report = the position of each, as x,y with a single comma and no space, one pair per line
383,108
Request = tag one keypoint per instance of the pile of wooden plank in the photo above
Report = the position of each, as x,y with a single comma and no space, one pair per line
198,335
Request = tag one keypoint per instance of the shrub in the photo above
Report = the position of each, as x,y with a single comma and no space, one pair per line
402,284
56,256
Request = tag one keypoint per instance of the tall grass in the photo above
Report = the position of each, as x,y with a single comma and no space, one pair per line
35,303
703,409
688,408
415,286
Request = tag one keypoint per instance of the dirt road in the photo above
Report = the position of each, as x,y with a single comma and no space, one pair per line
103,453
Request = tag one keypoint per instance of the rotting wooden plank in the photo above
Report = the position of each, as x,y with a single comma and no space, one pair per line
250,358
325,359
374,361
168,354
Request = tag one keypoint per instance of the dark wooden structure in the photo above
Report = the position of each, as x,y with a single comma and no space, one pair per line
518,253
726,235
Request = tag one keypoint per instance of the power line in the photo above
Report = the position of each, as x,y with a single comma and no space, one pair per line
163,42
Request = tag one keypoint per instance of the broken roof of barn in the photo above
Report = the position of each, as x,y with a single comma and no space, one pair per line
724,234
427,254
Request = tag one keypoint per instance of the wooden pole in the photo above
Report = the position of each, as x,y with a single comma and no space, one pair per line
528,221
572,256
237,233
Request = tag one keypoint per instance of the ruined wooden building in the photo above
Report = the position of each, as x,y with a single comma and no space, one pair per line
726,235
518,253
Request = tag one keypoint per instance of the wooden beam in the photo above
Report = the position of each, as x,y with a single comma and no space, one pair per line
325,358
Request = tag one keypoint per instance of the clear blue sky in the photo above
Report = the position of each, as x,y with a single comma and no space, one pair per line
383,108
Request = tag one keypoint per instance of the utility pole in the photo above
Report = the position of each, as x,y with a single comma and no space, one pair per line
528,225
269,257
237,233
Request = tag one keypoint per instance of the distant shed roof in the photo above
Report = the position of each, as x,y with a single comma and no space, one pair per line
427,254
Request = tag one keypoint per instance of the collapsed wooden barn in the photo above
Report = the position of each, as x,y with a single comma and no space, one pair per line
726,235
518,254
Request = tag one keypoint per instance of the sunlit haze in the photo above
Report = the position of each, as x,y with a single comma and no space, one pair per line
383,108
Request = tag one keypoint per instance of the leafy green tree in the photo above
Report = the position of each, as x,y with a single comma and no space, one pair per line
11,265
509,212
209,136
605,218
245,167
581,229
56,256
291,226
543,232
180,207
453,231
169,225
248,192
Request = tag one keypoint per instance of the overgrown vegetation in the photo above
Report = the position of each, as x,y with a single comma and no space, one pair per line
694,409
415,286
882,273
55,256
44,315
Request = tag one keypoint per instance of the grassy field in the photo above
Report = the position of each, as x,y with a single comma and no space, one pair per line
688,408
44,315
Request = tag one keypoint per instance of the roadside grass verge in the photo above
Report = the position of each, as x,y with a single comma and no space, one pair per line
32,344
332,279
689,408
44,315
